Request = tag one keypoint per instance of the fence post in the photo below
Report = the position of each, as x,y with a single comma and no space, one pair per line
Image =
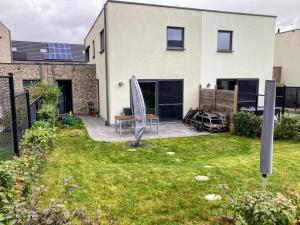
235,98
283,99
13,114
200,87
28,109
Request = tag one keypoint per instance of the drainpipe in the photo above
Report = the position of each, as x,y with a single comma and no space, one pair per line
106,67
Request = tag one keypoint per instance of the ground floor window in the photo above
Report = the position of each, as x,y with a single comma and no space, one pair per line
29,83
247,90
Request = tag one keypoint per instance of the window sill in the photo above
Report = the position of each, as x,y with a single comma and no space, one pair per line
101,51
175,49
225,51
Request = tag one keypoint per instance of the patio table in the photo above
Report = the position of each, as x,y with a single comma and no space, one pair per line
119,120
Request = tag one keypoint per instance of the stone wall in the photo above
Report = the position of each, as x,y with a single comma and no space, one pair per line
83,76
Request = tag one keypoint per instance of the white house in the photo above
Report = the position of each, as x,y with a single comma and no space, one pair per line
287,57
174,50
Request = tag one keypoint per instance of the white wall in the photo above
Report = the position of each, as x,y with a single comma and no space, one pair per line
99,60
137,44
253,44
287,56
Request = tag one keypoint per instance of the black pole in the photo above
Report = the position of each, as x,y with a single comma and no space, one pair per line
28,109
13,114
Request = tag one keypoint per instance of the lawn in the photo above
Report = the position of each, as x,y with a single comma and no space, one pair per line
150,186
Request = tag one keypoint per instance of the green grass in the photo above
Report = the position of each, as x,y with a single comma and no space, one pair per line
151,187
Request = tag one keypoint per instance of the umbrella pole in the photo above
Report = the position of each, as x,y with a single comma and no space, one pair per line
264,182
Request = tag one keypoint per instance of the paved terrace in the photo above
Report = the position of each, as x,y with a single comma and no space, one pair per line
99,132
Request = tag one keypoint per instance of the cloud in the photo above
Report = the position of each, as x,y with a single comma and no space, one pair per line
70,20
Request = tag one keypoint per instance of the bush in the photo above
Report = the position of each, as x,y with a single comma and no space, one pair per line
49,93
288,128
48,112
261,208
73,121
247,124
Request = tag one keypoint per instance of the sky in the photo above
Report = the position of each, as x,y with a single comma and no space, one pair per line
70,20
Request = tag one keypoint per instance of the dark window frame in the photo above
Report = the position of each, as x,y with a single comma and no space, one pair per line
87,53
32,82
182,39
94,49
102,41
230,44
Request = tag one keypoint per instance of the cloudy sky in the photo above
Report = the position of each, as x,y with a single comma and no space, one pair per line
70,20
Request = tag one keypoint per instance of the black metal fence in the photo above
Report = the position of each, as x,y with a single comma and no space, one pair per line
288,98
17,114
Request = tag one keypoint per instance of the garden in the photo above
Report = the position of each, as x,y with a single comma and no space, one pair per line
64,177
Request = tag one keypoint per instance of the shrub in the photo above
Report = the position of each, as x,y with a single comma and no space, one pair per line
39,139
261,208
288,127
49,93
48,112
73,121
247,124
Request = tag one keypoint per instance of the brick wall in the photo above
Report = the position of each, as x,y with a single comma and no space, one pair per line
5,51
83,76
277,75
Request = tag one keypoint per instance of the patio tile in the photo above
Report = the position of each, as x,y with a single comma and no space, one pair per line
99,132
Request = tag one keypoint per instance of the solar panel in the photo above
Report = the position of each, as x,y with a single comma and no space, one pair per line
58,51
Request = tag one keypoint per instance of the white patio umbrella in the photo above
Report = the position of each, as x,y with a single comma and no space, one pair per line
139,110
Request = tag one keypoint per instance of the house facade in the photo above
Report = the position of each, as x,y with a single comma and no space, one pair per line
53,63
172,51
286,58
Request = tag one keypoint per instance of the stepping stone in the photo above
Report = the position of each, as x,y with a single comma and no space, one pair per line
212,197
202,178
131,150
178,160
209,167
171,153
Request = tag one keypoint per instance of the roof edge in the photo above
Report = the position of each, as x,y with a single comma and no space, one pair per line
4,25
288,31
188,8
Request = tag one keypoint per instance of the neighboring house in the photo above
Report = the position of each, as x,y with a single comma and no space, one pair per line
287,58
5,41
55,63
174,50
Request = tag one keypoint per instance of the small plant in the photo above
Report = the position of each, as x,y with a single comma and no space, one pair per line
22,211
73,121
288,128
247,124
261,208
48,112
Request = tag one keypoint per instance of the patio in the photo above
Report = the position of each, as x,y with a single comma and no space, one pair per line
99,132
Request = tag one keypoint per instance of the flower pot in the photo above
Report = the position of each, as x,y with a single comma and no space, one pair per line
94,113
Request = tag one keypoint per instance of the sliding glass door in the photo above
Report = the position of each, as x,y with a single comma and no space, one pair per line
164,98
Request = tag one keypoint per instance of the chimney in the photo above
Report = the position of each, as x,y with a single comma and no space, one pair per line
278,31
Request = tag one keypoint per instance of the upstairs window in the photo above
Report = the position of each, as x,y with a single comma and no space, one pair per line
175,38
102,41
94,51
224,41
87,54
